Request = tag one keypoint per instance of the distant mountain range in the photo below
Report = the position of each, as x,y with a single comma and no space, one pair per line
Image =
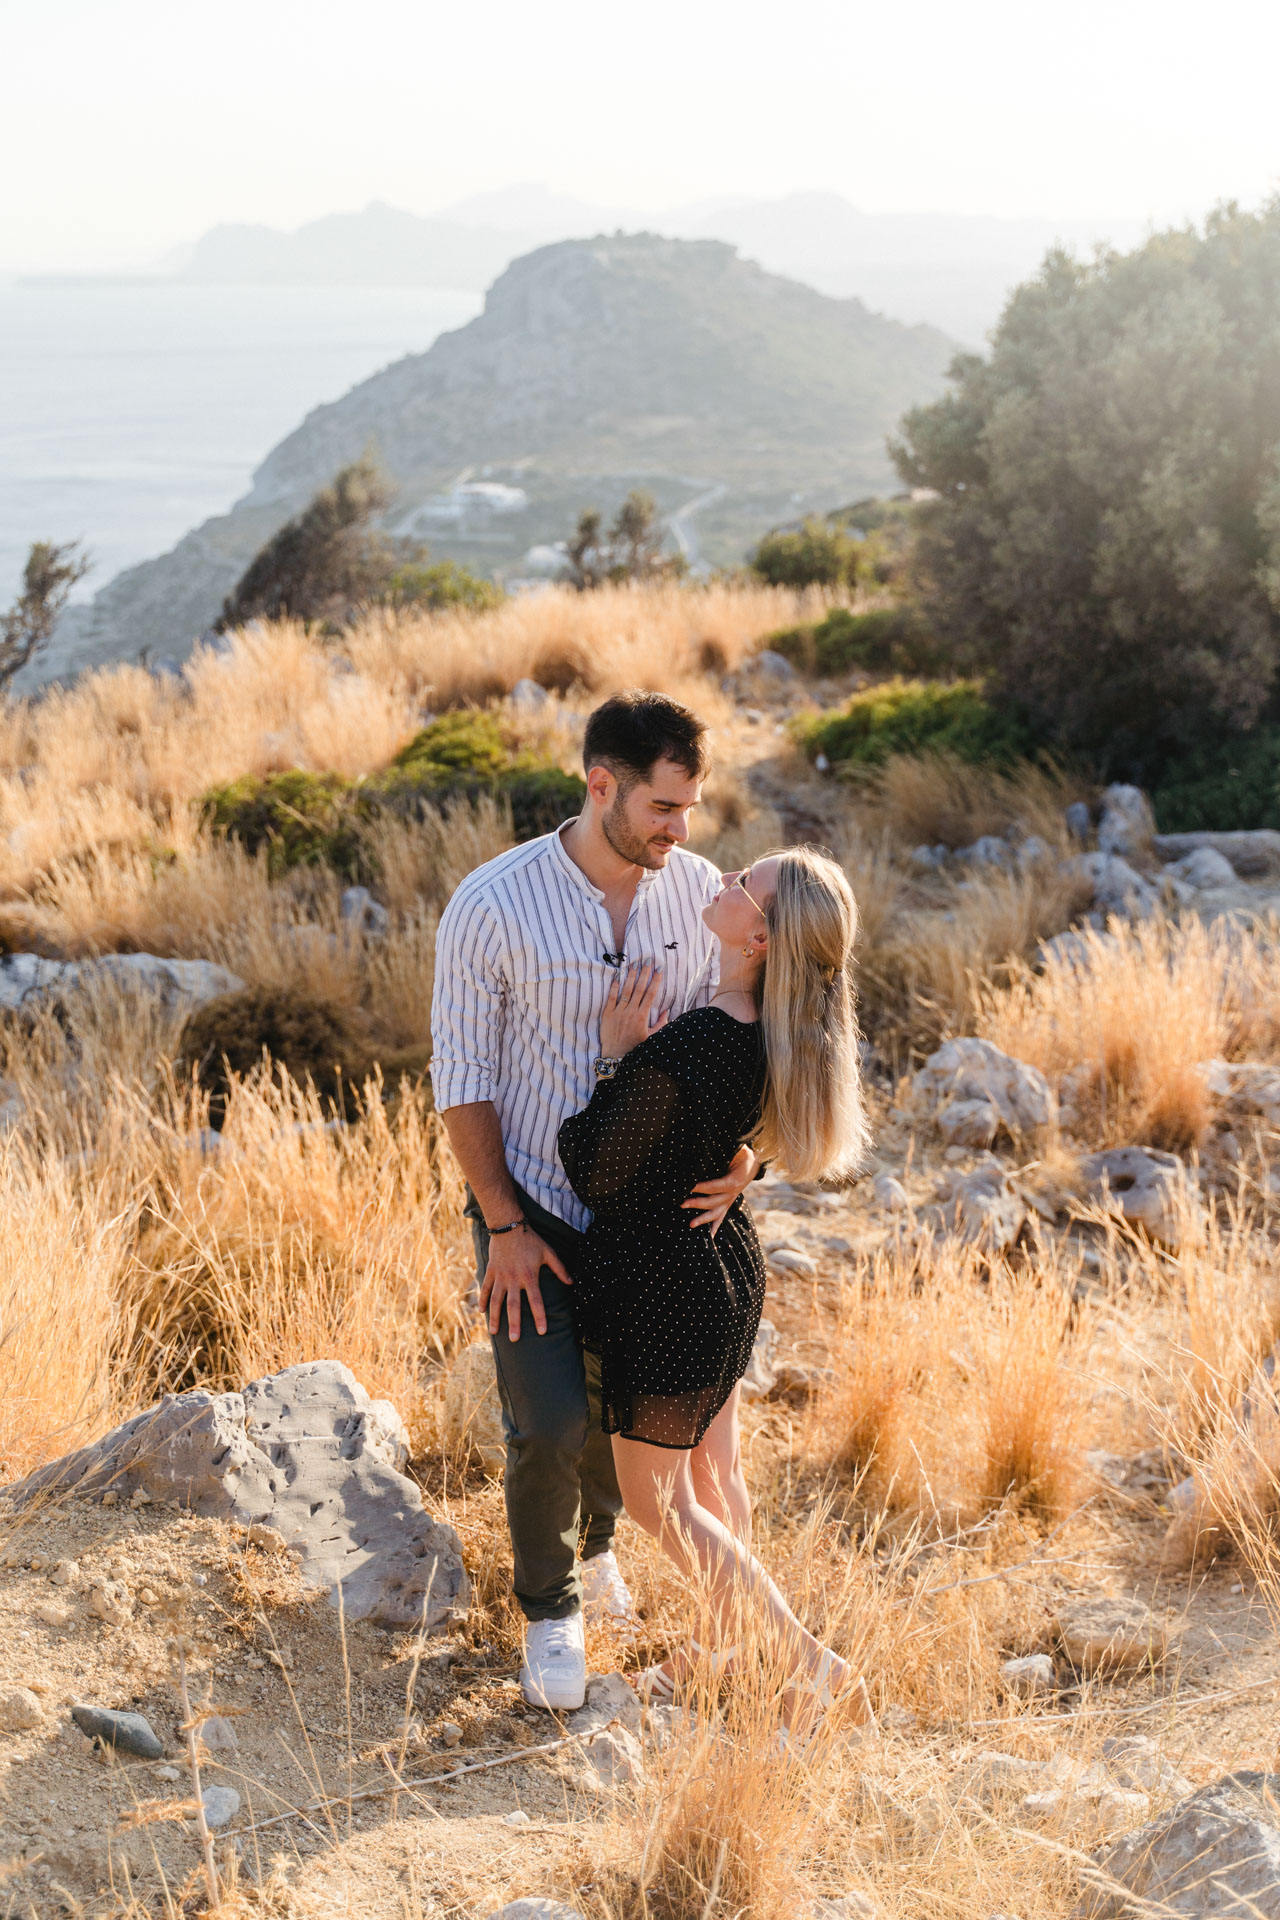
738,398
951,271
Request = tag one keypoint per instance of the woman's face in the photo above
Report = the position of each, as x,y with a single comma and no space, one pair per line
735,916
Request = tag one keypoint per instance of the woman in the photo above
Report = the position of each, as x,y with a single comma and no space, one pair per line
673,1312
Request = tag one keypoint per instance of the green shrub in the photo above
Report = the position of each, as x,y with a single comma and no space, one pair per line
1223,786
887,640
438,584
302,819
912,716
462,740
817,554
317,819
467,754
228,1037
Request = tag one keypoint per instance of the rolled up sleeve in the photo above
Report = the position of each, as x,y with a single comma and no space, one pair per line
467,1003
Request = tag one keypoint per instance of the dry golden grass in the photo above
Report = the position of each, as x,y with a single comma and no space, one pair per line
936,798
929,971
959,1385
1133,1016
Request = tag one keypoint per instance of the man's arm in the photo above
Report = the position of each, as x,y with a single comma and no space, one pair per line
514,1258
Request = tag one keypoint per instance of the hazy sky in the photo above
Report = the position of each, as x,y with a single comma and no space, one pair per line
130,125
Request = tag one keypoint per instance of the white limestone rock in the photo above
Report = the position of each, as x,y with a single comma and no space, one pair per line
761,1377
969,1073
1216,1853
306,1453
28,980
1203,869
1128,825
1149,1189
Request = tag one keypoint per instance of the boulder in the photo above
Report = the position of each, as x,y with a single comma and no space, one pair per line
980,1208
1248,1089
930,859
1146,1187
1252,853
358,909
1033,852
472,1409
987,851
1029,1677
306,1453
614,1758
528,697
771,666
973,1074
28,980
761,1377
610,1699
1107,1636
791,1260
1079,820
1202,869
221,1805
1119,891
1213,1855
127,1732
891,1194
1134,1760
20,1710
1127,826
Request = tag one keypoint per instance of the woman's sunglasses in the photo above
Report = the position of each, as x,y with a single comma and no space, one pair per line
740,880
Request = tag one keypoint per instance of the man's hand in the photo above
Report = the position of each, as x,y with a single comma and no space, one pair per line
514,1263
711,1199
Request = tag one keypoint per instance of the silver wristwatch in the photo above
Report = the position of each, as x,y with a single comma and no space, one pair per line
605,1067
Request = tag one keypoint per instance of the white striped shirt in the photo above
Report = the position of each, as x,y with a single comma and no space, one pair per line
520,985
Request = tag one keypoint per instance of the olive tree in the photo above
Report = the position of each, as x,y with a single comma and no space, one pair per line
1105,540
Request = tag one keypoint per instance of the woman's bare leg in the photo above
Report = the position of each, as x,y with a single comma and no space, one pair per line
718,1480
659,1495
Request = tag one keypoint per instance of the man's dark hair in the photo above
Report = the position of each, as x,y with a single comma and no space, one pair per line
631,732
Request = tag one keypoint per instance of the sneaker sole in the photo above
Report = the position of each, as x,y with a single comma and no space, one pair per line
563,1699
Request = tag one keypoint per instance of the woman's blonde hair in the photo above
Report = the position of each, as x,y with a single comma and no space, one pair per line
812,1120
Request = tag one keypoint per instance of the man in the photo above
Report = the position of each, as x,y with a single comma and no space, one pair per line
527,949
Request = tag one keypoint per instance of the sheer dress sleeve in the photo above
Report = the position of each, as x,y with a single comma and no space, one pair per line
613,1150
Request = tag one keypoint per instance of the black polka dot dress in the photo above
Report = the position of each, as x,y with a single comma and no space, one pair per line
671,1311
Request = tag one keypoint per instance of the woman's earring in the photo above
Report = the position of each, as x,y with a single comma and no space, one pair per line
747,952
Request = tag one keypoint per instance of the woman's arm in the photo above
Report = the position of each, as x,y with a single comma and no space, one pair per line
610,1145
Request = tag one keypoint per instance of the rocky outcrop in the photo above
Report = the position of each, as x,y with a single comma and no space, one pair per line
1252,853
306,1453
27,980
975,1092
1215,1855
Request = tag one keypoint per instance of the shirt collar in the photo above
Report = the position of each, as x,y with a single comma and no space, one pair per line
648,875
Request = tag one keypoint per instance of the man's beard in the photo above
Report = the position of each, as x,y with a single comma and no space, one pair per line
627,844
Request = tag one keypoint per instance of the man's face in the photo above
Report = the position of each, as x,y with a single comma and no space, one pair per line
644,824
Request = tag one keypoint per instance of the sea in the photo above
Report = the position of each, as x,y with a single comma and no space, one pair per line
131,411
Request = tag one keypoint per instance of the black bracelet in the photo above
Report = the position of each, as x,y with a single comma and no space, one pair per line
510,1228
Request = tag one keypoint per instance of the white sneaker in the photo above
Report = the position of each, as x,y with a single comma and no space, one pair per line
554,1673
604,1591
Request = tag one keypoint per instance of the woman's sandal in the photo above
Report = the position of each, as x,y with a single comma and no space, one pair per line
657,1688
816,1688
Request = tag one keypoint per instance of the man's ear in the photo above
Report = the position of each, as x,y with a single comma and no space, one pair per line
601,785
